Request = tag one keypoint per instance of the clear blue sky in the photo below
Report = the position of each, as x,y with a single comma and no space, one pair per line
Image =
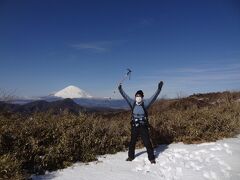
193,46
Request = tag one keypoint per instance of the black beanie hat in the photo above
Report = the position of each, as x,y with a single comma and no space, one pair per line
140,92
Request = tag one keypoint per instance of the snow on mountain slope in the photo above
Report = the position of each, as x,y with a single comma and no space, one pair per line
207,161
72,92
80,97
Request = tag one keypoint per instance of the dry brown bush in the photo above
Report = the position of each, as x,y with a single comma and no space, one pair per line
46,141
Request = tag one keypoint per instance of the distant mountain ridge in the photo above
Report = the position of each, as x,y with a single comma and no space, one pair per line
55,107
71,99
43,106
76,105
80,97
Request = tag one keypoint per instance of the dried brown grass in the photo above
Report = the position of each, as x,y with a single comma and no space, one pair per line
46,141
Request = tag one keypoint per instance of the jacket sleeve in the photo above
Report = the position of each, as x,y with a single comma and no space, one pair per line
125,96
151,100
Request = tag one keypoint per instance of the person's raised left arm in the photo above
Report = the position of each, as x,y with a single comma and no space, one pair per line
151,100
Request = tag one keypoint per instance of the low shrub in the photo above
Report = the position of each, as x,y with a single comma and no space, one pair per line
46,141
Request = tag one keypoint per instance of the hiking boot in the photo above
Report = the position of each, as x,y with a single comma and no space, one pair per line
129,159
153,161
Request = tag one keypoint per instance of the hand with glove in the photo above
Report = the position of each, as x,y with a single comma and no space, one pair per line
120,86
160,84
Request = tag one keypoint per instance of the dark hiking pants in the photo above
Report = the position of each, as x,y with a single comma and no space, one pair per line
144,134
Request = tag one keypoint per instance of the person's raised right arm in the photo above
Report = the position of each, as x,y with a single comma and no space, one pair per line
125,96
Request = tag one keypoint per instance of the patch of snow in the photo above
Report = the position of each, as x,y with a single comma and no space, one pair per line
175,161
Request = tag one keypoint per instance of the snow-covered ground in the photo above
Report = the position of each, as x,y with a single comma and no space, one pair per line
214,161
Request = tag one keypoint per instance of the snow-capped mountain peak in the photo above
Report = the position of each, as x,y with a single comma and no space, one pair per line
72,92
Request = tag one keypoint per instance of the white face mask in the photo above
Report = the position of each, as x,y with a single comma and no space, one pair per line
138,99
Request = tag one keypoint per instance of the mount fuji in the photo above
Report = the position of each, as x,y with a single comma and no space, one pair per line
72,92
80,97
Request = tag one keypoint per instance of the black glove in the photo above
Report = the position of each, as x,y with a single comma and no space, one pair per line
120,86
160,84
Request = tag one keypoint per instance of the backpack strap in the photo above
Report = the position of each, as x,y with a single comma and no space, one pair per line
144,109
132,107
